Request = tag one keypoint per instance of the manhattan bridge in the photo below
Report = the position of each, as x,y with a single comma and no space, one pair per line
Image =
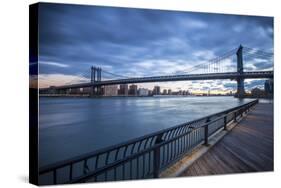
237,64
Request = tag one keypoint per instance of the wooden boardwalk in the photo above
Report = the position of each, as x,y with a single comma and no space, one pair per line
246,148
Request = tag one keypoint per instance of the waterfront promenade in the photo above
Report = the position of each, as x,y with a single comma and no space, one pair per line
248,147
238,139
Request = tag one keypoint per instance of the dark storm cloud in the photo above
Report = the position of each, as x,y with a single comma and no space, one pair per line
138,41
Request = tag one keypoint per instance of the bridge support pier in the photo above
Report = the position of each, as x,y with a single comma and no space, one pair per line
96,91
240,88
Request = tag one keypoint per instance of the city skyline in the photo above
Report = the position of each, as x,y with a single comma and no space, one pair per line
134,90
144,42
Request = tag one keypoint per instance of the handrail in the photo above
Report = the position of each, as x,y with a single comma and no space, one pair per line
148,146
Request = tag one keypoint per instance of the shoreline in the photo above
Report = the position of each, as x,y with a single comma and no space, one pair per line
120,96
155,96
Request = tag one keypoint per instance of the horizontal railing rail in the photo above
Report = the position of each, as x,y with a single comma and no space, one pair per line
143,157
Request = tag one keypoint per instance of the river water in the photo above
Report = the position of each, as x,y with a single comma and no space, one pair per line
69,127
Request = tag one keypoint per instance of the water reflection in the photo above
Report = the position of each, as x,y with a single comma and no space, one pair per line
71,126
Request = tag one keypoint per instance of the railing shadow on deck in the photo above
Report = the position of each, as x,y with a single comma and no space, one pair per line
143,157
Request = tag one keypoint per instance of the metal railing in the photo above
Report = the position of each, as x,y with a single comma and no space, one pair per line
143,157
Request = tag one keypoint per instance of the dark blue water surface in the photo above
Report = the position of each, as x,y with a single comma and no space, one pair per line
73,126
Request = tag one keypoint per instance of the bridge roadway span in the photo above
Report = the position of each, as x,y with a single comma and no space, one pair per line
247,148
211,76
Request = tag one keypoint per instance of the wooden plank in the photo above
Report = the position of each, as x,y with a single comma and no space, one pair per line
247,148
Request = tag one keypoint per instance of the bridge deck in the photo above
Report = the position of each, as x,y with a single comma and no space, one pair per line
185,77
247,148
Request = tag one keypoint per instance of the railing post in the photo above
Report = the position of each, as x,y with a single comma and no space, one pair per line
235,116
55,176
206,131
156,157
224,123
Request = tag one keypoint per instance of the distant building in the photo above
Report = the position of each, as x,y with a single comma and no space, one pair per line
101,91
123,89
186,92
143,92
133,90
87,90
180,92
268,86
165,92
257,92
156,90
169,92
110,90
74,91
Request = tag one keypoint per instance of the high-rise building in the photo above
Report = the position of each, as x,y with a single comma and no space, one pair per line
143,92
111,90
268,86
169,92
156,90
180,92
133,90
123,89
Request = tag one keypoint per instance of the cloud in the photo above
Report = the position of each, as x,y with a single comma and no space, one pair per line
139,42
193,24
46,80
204,54
250,84
55,64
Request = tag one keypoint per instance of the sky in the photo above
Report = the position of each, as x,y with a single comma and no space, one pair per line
145,42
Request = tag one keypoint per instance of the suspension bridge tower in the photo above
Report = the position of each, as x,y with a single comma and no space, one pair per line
240,81
95,78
